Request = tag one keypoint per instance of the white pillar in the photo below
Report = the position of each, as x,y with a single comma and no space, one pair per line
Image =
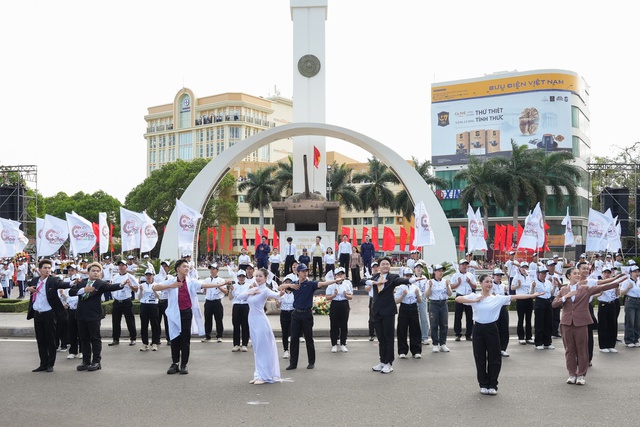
309,70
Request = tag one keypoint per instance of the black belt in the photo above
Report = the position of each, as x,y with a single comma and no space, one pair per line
633,297
122,300
302,311
438,300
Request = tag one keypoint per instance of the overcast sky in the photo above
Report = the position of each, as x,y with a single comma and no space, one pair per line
77,77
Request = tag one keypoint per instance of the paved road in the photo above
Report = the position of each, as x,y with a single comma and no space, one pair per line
134,389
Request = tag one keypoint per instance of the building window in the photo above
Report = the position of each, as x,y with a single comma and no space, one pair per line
186,146
162,156
244,220
389,220
234,132
346,221
220,133
367,221
219,147
200,135
241,198
255,221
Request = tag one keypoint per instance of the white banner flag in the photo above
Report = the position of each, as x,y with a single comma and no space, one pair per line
475,231
54,233
39,226
81,235
568,231
187,219
103,225
612,241
131,224
13,239
596,230
533,233
423,235
149,234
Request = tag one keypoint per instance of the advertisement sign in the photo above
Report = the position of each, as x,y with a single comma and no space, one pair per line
482,117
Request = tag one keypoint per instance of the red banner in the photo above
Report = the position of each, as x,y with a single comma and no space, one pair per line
354,239
230,239
347,231
412,237
276,240
244,238
223,229
461,238
316,157
509,237
214,237
403,239
365,231
208,242
111,236
374,238
520,231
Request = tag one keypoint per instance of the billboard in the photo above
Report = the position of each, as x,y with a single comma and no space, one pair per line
469,121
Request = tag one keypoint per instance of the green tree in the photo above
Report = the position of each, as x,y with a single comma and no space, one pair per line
261,190
559,174
86,205
225,205
402,203
341,189
375,194
284,177
481,186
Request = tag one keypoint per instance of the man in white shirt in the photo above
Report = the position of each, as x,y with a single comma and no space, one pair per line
213,304
122,304
317,255
289,255
21,276
464,283
344,254
511,269
108,270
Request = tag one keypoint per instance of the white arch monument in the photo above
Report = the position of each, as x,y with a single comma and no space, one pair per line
201,188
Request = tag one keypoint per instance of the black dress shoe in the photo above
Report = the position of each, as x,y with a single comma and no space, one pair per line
310,366
133,342
49,368
184,370
94,367
457,338
114,342
40,369
82,367
290,367
370,338
173,369
467,338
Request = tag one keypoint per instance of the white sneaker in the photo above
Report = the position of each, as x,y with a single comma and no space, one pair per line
285,355
426,342
417,356
435,349
444,349
343,348
378,367
581,380
219,340
402,356
334,349
484,391
571,379
539,347
243,349
531,342
205,340
492,391
154,347
630,345
523,342
301,339
387,369
79,356
549,347
613,350
504,353
605,350
71,356
236,348
144,348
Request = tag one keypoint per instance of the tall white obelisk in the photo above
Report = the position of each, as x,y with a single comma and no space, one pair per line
309,69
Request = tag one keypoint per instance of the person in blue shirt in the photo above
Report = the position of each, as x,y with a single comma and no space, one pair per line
302,317
304,258
367,252
262,253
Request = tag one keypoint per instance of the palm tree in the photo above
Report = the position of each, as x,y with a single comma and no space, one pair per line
374,194
341,189
520,177
284,177
482,185
402,202
558,173
261,190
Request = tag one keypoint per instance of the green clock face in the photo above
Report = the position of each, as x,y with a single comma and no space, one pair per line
309,65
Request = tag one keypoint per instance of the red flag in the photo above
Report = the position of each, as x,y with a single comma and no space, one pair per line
230,239
214,237
509,239
276,240
347,231
546,246
257,238
498,237
244,238
374,238
403,239
316,157
365,231
265,233
388,239
354,239
520,231
335,250
111,236
461,238
208,245
222,230
412,237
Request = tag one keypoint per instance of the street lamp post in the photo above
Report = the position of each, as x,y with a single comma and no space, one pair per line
328,182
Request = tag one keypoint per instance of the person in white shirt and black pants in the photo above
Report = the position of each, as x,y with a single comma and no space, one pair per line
149,313
213,304
289,255
408,296
339,294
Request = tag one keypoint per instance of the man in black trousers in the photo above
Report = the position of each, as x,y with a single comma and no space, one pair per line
89,315
384,311
44,305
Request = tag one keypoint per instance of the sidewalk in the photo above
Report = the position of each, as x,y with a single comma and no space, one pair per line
17,325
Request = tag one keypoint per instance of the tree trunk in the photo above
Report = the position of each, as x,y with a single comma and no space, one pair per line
515,214
375,217
261,225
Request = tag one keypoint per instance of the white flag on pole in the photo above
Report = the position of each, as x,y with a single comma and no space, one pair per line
13,239
611,242
569,240
149,234
131,224
81,235
187,220
476,231
54,233
533,233
423,235
103,225
597,227
39,226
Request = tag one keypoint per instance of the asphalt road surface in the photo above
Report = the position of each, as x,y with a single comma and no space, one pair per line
440,389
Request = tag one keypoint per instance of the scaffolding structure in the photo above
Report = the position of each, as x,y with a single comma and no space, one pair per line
623,175
17,180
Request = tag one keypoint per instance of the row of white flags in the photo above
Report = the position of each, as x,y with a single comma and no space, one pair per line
603,232
12,239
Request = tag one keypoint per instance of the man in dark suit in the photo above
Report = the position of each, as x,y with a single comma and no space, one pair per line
384,311
89,315
43,306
